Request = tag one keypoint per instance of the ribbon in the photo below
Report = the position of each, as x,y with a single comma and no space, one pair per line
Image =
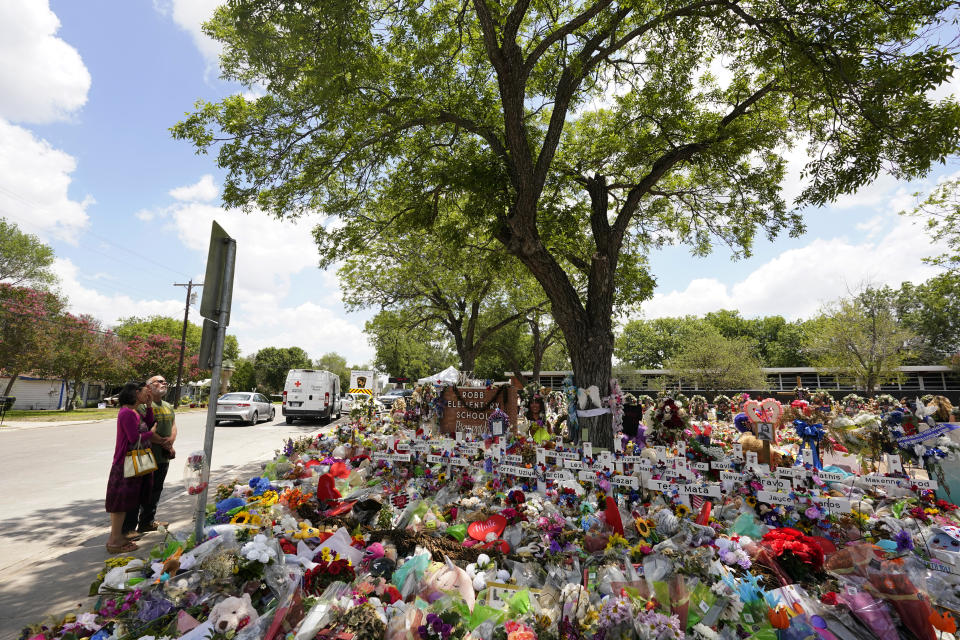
811,434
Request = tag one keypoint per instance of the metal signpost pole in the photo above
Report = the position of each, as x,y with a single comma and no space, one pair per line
224,309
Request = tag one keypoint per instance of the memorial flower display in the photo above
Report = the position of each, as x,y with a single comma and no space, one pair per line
405,527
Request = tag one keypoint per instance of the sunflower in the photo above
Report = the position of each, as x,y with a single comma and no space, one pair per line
751,501
682,510
643,527
242,517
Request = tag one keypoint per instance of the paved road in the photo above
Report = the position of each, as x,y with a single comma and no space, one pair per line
52,523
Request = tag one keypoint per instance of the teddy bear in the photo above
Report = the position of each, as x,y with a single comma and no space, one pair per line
232,614
449,577
750,442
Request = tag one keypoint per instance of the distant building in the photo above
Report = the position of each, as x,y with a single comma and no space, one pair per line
914,381
33,393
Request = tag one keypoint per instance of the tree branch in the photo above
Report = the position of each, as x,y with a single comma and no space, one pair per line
555,36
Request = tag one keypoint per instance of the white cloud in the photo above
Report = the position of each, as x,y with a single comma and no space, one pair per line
798,282
275,261
190,15
34,183
43,78
316,328
202,191
108,308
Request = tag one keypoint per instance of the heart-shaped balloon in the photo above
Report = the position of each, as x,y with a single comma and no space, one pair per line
327,488
772,410
500,545
753,410
495,524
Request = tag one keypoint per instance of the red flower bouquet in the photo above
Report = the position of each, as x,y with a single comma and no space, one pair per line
798,554
317,579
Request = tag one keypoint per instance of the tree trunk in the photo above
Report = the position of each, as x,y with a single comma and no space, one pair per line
592,360
13,378
67,405
467,360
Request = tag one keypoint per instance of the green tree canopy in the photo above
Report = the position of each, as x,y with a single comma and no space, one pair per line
335,363
714,362
84,351
443,277
407,353
173,328
859,338
271,365
28,328
931,310
24,259
578,133
243,376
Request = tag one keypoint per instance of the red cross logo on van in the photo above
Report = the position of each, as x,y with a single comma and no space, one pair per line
297,383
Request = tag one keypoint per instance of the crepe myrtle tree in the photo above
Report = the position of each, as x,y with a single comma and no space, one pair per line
578,133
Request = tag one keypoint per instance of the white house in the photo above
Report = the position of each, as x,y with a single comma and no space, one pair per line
48,394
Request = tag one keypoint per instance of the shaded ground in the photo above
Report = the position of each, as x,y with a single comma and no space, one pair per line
56,584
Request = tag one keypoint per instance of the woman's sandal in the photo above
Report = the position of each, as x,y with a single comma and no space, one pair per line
133,536
124,548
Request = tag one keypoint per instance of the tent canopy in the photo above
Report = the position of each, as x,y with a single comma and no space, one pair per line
450,375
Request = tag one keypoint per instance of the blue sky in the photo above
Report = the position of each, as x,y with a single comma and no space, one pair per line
87,163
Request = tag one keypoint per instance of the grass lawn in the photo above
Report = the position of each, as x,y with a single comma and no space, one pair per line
65,416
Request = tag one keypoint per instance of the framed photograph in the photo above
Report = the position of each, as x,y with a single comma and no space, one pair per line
765,431
498,595
497,427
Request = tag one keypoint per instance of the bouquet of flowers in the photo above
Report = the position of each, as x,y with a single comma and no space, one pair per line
329,569
797,554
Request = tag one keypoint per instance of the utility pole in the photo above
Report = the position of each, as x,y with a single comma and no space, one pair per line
183,338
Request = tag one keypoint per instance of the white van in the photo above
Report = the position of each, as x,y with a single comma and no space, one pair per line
311,394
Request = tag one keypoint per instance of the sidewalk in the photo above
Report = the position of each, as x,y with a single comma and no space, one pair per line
57,583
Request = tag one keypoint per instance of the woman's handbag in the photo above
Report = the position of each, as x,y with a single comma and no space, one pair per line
139,461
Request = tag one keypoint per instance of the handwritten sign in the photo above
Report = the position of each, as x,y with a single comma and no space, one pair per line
513,470
704,490
769,497
471,407
392,457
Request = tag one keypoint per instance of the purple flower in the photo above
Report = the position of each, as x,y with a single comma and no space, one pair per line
904,540
422,631
446,630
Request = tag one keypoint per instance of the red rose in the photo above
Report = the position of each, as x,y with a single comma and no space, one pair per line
830,597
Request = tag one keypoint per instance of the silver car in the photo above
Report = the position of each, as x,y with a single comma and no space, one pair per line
244,407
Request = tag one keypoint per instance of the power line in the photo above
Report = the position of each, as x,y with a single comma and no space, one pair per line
34,205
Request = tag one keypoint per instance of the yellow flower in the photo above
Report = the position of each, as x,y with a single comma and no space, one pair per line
643,527
615,541
269,498
682,510
325,555
751,501
242,517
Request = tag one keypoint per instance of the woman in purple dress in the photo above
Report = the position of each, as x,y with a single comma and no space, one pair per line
125,494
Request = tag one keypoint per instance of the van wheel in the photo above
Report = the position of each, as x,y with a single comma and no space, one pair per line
289,420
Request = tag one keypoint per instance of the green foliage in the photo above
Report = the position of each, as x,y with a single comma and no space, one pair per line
24,259
403,352
648,344
337,364
714,362
29,321
941,208
931,310
576,133
859,338
271,365
243,377
173,328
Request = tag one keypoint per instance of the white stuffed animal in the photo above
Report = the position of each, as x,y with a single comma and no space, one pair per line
230,612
